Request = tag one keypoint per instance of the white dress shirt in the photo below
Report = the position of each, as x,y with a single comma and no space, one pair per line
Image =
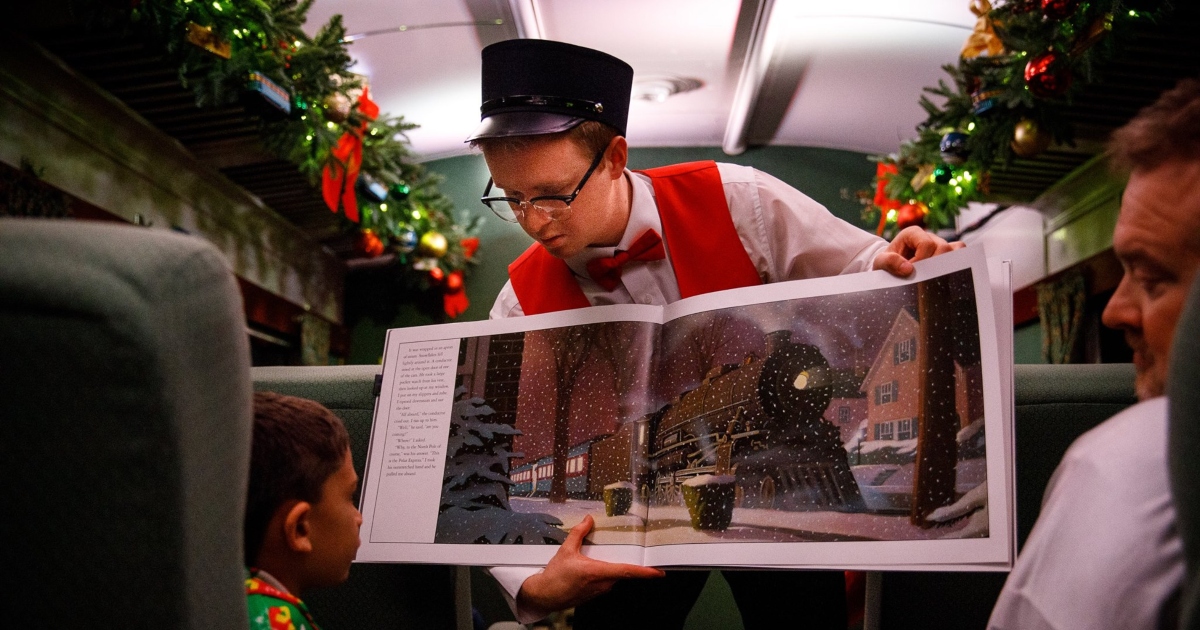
786,234
1105,552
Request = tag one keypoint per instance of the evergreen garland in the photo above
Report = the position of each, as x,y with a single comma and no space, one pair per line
988,97
266,37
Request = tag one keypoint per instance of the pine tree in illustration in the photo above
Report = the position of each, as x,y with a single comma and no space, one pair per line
474,506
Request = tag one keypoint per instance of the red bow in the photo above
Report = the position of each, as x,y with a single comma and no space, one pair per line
454,299
883,171
470,245
337,182
607,271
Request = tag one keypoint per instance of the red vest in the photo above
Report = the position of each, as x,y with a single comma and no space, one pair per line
701,241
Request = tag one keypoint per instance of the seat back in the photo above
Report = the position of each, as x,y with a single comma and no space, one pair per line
124,428
1054,404
376,595
1183,450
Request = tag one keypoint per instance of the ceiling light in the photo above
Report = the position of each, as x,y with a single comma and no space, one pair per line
659,88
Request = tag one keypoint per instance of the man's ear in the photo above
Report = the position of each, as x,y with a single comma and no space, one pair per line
296,527
616,156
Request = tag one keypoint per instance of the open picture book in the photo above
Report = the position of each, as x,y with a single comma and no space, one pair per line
858,422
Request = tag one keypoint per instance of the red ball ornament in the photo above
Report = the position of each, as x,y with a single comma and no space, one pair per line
1059,9
454,282
368,244
911,214
1048,75
437,275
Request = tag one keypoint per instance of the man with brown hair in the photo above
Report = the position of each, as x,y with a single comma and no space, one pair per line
1105,551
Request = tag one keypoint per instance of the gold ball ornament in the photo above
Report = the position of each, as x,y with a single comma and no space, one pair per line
433,244
1029,139
337,107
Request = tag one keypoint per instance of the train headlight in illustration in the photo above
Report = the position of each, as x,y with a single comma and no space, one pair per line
812,378
795,385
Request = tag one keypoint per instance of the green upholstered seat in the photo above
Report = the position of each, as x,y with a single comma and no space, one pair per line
124,428
1054,404
376,595
1183,391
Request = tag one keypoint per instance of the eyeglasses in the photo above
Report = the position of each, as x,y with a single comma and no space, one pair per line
555,207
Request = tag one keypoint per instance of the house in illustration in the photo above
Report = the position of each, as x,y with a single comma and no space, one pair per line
893,383
848,404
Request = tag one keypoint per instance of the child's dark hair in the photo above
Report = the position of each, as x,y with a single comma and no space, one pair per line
297,445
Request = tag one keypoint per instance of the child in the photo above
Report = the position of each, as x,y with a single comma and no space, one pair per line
302,523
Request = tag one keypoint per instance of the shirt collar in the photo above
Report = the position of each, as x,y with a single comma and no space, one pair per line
270,579
643,215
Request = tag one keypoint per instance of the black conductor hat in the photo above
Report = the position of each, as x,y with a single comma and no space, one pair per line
535,86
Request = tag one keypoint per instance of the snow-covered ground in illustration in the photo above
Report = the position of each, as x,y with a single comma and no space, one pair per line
671,525
609,530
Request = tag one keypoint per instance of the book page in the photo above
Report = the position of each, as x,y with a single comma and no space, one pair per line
798,405
1001,279
492,439
847,422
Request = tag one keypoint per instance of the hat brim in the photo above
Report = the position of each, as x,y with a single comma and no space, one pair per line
513,124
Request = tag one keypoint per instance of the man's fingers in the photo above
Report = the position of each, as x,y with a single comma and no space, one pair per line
574,539
643,573
614,571
894,263
926,248
913,244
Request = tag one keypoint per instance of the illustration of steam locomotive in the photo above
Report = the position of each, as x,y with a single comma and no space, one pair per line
759,420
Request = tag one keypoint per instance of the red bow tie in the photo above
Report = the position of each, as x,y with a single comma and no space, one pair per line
607,271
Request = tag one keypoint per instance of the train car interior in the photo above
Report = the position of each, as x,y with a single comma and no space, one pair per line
189,215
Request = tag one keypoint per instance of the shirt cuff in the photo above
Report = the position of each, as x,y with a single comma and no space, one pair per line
510,580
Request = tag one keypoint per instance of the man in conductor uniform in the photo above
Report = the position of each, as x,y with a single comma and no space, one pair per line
552,134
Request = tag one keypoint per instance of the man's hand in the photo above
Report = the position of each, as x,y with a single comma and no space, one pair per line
909,246
572,578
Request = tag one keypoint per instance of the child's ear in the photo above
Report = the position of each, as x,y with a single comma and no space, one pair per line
296,527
